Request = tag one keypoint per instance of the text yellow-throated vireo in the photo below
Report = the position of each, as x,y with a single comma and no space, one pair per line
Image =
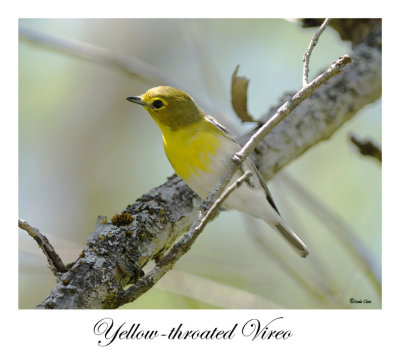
199,150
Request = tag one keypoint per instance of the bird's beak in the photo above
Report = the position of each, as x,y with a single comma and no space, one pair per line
136,100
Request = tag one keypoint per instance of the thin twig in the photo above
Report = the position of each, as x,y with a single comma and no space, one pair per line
55,263
307,55
181,247
367,147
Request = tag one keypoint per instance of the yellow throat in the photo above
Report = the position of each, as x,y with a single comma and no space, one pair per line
190,142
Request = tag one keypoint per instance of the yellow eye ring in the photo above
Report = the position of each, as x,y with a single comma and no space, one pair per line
158,104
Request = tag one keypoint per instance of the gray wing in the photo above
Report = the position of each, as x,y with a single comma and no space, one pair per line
226,133
222,128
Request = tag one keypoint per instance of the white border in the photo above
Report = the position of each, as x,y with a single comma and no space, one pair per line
319,336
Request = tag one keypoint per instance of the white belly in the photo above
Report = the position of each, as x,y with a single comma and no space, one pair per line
250,200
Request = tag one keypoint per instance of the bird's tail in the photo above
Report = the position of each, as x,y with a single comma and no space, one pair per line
294,241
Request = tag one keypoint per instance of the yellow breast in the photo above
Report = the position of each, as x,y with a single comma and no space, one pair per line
191,149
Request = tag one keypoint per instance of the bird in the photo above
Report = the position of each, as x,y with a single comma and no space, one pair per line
199,149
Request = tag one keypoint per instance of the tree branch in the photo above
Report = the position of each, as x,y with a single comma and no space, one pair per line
56,265
326,110
307,55
180,248
114,256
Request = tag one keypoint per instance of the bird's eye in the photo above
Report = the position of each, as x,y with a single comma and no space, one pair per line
158,104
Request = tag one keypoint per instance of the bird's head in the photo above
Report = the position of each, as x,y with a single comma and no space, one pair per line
169,106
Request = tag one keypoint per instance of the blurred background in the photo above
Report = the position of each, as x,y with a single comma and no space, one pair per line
85,151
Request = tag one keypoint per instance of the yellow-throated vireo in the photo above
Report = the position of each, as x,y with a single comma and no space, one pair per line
199,150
